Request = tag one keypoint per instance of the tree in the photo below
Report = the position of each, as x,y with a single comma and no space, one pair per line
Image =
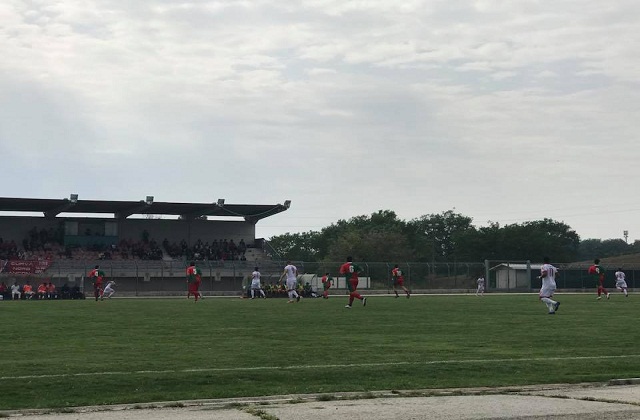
436,234
598,248
296,246
371,246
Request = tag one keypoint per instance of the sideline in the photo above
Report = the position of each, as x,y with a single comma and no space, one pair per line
326,366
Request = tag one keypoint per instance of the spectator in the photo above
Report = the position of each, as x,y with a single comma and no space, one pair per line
42,291
242,248
51,291
65,292
27,290
15,291
4,290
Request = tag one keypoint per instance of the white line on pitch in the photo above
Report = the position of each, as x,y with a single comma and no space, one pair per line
330,366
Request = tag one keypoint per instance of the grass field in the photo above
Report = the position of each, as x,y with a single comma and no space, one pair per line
68,353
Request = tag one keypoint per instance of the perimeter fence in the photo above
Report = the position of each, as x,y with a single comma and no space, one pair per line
160,278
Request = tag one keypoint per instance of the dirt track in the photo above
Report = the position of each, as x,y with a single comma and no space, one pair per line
584,402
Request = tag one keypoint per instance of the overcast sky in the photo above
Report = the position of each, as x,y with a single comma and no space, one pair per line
504,110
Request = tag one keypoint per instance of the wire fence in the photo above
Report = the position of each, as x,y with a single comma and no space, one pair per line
148,278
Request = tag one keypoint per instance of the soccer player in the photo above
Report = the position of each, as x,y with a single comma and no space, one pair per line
291,272
326,284
598,273
255,283
351,272
397,279
621,283
108,290
194,278
480,289
548,276
97,276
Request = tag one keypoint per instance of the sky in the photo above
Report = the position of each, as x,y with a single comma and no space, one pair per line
504,111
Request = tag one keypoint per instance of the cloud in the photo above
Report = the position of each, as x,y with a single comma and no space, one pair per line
450,97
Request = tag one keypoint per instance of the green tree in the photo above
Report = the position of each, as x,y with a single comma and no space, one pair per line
296,246
371,246
434,236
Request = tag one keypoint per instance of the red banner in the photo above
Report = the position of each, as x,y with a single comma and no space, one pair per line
26,267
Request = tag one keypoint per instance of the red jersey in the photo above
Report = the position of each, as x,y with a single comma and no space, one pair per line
396,273
597,272
350,270
97,275
193,274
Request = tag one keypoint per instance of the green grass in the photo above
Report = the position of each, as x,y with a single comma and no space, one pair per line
72,353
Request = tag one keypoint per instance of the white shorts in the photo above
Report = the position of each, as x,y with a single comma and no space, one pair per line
621,284
255,285
547,289
292,284
108,290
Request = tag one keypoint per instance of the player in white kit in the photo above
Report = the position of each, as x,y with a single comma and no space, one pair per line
291,272
548,277
480,290
621,283
255,284
108,290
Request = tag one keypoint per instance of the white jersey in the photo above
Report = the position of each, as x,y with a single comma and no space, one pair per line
481,282
292,272
620,280
109,285
255,280
549,281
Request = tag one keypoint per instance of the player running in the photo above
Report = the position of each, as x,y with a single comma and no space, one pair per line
621,283
109,290
326,284
548,277
97,277
291,273
598,273
194,278
351,272
397,280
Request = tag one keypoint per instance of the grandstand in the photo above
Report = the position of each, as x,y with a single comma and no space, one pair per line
62,239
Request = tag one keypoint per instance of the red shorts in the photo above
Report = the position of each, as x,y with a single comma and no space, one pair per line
399,282
193,287
353,285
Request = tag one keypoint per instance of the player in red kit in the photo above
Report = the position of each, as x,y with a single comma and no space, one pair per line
326,284
398,280
351,272
97,276
598,273
194,278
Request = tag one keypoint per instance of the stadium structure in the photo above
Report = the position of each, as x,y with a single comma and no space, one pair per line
61,240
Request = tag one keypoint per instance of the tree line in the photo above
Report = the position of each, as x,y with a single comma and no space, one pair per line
443,237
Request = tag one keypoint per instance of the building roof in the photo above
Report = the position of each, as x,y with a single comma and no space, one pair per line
516,266
124,209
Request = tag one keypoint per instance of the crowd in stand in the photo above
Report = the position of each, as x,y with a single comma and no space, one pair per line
215,251
48,244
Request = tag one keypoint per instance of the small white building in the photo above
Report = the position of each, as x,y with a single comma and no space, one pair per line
515,275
